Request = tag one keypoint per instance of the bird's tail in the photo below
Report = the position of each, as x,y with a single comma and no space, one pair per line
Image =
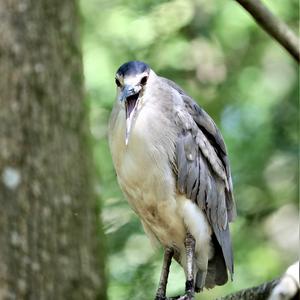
216,271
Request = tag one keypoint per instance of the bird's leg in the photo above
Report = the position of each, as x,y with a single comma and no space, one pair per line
161,291
189,244
190,256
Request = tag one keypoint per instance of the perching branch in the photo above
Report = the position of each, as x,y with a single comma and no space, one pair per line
285,288
260,292
273,26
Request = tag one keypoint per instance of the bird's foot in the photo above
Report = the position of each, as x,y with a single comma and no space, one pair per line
183,297
186,297
189,292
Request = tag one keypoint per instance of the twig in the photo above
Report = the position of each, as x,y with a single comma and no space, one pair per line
272,25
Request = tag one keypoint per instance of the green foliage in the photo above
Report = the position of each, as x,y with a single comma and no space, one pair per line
242,78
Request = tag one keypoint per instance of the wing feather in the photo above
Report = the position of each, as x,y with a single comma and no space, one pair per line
203,170
181,167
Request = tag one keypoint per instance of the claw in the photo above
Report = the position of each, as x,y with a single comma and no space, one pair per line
184,297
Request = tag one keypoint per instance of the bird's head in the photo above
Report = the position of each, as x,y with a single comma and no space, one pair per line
131,80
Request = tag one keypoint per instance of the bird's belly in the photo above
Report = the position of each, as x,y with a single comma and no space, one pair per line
150,190
162,221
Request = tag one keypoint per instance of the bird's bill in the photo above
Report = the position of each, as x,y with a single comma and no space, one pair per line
131,97
127,91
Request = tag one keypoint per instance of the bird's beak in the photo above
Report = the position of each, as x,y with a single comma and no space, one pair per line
130,94
127,91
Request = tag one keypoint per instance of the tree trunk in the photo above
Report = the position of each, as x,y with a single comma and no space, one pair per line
49,241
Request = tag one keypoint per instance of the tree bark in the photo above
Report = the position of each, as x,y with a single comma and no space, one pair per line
273,26
285,288
49,240
260,292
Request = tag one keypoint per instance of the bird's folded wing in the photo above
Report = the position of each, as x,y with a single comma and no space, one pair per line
202,169
210,135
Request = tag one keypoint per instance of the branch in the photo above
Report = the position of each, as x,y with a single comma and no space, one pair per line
273,26
285,288
260,292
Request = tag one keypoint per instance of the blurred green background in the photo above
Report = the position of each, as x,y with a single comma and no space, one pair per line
246,82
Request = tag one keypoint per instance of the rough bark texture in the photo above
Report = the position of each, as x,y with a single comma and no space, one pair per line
261,292
273,26
49,241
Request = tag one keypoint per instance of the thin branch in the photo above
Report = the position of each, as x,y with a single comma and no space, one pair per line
273,26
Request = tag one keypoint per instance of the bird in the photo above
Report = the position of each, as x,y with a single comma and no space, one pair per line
172,165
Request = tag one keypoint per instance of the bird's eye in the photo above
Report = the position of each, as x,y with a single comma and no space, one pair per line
118,82
144,80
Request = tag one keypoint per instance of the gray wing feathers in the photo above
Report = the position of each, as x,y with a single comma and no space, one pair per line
204,171
216,273
209,129
224,239
210,154
202,183
182,167
197,179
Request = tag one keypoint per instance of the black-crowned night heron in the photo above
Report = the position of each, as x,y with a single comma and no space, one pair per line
172,166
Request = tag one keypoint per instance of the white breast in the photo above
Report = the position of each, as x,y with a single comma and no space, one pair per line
145,175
